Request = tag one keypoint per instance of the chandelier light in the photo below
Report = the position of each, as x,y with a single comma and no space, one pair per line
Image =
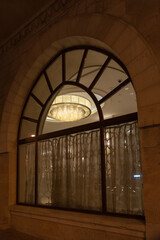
69,108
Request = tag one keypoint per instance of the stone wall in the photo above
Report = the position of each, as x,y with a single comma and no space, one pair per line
4,157
52,224
131,30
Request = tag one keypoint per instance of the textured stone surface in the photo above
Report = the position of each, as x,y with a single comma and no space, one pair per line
130,29
4,189
54,224
11,234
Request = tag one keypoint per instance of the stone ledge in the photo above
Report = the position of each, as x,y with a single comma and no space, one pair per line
10,234
120,225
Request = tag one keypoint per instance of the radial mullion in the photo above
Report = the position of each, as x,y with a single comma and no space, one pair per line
82,65
37,99
99,73
115,90
63,67
36,173
30,119
48,82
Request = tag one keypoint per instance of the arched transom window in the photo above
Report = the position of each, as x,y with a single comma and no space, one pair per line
78,136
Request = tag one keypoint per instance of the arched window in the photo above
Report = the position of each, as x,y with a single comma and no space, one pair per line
78,136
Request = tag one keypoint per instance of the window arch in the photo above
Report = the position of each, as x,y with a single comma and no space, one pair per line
91,163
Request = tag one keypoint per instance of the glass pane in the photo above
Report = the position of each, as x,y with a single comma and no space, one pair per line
54,72
88,75
123,169
51,124
69,174
27,173
114,65
41,90
93,63
111,78
32,109
28,129
123,102
73,61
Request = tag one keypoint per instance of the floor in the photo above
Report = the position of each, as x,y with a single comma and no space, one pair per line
10,234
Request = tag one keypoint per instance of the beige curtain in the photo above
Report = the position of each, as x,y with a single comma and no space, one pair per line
45,172
70,171
123,169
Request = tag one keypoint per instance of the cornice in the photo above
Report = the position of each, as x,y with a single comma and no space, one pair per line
56,10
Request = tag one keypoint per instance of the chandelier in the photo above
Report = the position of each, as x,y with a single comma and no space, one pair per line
69,108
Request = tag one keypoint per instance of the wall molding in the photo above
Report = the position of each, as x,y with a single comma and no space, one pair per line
116,225
50,15
150,126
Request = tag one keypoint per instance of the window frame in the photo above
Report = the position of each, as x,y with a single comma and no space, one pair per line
99,124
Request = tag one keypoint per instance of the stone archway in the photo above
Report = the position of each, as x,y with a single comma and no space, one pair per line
99,30
112,34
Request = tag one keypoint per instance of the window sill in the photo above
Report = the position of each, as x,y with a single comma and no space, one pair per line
120,225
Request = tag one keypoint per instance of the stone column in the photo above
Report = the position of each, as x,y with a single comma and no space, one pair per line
150,142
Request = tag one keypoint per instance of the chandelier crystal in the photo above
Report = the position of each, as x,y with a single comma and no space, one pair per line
69,108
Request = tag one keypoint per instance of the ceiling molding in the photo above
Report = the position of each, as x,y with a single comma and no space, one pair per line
55,11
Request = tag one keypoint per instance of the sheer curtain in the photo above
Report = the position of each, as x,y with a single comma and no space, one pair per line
28,163
69,173
45,172
123,169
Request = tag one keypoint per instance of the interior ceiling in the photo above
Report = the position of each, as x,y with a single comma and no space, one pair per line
123,102
16,13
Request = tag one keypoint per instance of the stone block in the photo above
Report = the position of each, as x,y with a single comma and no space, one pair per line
4,188
140,63
146,96
55,224
147,78
116,29
149,115
124,40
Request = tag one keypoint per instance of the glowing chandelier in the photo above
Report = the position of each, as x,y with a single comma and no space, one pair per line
69,108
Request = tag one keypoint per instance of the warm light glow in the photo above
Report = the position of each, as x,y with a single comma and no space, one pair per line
68,108
32,135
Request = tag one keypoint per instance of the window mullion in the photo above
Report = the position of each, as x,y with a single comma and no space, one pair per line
36,172
103,170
